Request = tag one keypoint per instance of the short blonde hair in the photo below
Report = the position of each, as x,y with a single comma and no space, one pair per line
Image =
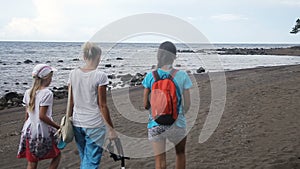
91,50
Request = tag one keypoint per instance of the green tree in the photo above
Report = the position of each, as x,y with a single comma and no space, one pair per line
296,28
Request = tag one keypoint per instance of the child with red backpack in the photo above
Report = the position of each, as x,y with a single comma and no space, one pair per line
167,96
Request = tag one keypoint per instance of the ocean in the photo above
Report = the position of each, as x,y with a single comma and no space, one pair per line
121,59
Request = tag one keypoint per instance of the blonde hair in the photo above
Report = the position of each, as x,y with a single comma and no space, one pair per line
91,50
36,86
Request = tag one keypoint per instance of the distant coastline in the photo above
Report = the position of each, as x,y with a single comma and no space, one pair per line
286,51
289,51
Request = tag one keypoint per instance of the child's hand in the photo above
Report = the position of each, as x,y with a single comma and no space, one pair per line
112,134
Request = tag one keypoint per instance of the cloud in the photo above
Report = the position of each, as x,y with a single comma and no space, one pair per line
48,22
228,17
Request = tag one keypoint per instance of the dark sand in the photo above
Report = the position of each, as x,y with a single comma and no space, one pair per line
259,127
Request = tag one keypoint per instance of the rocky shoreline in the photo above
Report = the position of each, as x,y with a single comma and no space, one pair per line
290,51
13,99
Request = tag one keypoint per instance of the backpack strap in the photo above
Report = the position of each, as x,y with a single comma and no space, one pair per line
155,75
173,73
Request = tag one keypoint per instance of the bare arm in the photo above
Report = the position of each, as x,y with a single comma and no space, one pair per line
146,99
26,113
186,100
45,118
104,110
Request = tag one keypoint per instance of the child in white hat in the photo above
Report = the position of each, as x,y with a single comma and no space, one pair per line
37,138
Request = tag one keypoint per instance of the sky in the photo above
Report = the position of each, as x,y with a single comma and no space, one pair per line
220,21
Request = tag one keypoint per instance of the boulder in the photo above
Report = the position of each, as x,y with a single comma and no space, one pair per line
108,65
126,77
111,76
200,70
11,95
137,79
28,61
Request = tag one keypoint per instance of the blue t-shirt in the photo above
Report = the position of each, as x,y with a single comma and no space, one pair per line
182,81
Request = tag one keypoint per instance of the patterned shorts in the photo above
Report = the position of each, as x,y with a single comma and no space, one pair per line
162,132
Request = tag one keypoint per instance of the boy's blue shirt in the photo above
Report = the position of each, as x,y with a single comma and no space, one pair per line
182,82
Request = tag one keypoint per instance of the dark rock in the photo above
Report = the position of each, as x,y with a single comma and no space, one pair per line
25,83
111,76
16,101
48,61
66,87
11,99
37,61
6,91
76,59
186,51
28,61
200,70
126,77
17,83
19,63
10,95
114,84
5,83
60,61
295,47
137,79
3,102
60,94
120,59
66,68
108,65
62,88
241,51
177,65
20,96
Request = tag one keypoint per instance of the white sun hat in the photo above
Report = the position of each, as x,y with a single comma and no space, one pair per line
42,70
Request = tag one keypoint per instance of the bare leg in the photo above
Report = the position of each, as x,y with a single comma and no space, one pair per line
160,154
32,165
55,162
180,154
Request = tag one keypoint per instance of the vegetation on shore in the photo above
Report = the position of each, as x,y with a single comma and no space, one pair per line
296,28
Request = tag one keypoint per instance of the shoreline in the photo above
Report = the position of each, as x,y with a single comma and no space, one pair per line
13,99
289,51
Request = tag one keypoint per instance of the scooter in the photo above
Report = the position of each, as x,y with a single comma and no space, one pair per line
120,154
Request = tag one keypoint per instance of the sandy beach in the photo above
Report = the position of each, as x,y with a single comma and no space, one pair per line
259,127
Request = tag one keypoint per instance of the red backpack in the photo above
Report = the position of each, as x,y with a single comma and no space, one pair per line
164,99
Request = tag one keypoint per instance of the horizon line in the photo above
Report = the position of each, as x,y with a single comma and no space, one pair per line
58,41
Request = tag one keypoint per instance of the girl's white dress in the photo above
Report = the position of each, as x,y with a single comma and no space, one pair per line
37,139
